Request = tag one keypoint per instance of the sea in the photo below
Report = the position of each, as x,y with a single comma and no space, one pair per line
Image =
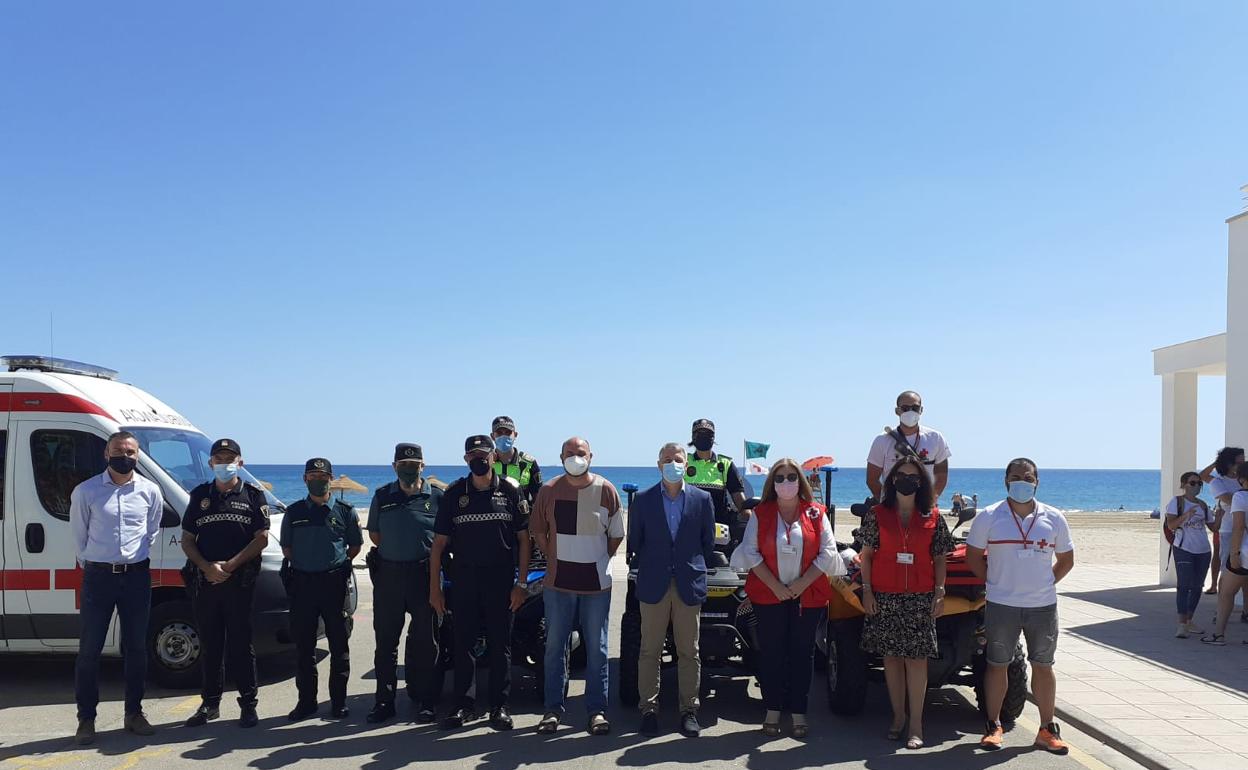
1070,490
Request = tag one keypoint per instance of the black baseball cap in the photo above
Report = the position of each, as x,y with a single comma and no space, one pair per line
503,421
478,444
703,424
318,465
408,452
225,445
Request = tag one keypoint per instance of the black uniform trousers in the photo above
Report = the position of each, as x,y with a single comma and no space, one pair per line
223,615
481,596
320,596
786,636
401,588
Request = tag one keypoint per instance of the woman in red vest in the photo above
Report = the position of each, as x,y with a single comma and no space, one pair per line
789,551
905,542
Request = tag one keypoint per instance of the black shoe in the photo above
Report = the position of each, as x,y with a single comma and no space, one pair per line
381,712
202,715
248,717
689,725
302,711
339,711
458,718
86,732
426,715
650,723
500,719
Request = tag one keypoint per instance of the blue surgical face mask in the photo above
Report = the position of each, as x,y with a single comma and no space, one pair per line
504,443
673,472
1022,491
226,473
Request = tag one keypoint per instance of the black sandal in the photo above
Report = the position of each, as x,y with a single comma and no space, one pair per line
895,735
1218,640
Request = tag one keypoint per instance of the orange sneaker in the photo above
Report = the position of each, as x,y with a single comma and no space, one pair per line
993,735
1050,739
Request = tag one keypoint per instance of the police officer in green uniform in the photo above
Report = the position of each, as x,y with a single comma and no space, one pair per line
483,522
320,537
716,474
400,524
224,529
510,462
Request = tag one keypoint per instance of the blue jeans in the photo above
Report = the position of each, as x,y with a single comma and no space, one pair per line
565,611
130,593
1190,569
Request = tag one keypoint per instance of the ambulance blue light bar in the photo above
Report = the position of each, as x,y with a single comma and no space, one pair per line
56,366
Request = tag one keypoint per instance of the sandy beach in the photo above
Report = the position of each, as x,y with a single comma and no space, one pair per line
1115,538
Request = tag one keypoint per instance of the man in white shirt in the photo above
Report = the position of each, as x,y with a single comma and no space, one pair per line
925,444
1028,549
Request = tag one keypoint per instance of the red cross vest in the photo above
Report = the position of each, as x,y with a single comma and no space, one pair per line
892,577
811,518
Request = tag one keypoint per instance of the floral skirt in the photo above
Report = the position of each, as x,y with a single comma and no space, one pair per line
902,626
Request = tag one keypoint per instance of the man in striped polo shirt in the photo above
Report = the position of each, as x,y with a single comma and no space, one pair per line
576,522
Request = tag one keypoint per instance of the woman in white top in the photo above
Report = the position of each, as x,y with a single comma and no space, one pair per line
1234,575
790,551
1220,476
1189,519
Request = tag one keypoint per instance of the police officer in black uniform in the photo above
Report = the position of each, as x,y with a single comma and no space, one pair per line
484,523
225,528
320,537
400,523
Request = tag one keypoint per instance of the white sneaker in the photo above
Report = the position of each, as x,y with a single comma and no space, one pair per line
1192,629
1182,632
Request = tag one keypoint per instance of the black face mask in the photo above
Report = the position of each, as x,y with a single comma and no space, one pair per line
479,466
906,485
408,476
122,464
703,443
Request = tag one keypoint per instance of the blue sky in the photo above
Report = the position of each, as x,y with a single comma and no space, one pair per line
322,228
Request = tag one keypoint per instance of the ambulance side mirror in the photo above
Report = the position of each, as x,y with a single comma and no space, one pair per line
170,518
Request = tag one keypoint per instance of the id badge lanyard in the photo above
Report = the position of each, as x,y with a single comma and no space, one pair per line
1026,535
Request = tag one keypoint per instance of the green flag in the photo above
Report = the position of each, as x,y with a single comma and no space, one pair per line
754,450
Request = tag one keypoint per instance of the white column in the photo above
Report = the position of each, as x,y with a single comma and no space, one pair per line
1237,332
1178,447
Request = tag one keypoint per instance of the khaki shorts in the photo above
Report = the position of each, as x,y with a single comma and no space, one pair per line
1038,625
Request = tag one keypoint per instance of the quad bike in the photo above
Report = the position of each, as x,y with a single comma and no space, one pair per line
960,639
727,637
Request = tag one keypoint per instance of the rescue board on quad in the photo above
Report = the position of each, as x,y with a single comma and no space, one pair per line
728,637
960,640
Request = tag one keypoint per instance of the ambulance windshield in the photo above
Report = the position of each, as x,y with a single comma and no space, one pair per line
184,456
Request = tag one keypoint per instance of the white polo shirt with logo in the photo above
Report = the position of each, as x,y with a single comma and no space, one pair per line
1020,553
928,443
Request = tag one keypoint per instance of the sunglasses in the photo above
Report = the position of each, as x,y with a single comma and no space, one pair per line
1195,483
785,477
909,476
911,408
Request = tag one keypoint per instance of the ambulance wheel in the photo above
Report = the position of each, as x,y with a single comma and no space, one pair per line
174,648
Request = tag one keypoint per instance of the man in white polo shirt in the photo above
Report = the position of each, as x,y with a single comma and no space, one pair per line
1022,548
908,439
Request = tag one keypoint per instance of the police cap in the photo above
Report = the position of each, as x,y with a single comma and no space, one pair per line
225,445
503,421
318,465
408,452
478,444
703,424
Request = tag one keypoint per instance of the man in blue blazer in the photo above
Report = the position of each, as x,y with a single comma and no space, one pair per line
671,540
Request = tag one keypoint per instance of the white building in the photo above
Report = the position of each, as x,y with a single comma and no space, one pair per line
1222,355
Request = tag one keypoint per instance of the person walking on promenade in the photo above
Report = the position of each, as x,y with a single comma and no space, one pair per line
1188,518
905,543
908,439
1029,550
577,523
115,519
789,551
1235,568
671,541
1220,476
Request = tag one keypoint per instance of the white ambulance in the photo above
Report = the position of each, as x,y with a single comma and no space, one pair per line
55,416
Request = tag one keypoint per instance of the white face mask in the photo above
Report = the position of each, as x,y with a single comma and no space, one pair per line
786,490
909,419
576,465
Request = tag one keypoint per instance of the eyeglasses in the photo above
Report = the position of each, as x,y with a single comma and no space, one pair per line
911,408
785,477
907,476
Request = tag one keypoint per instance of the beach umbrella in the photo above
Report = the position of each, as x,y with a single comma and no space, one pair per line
815,463
345,483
